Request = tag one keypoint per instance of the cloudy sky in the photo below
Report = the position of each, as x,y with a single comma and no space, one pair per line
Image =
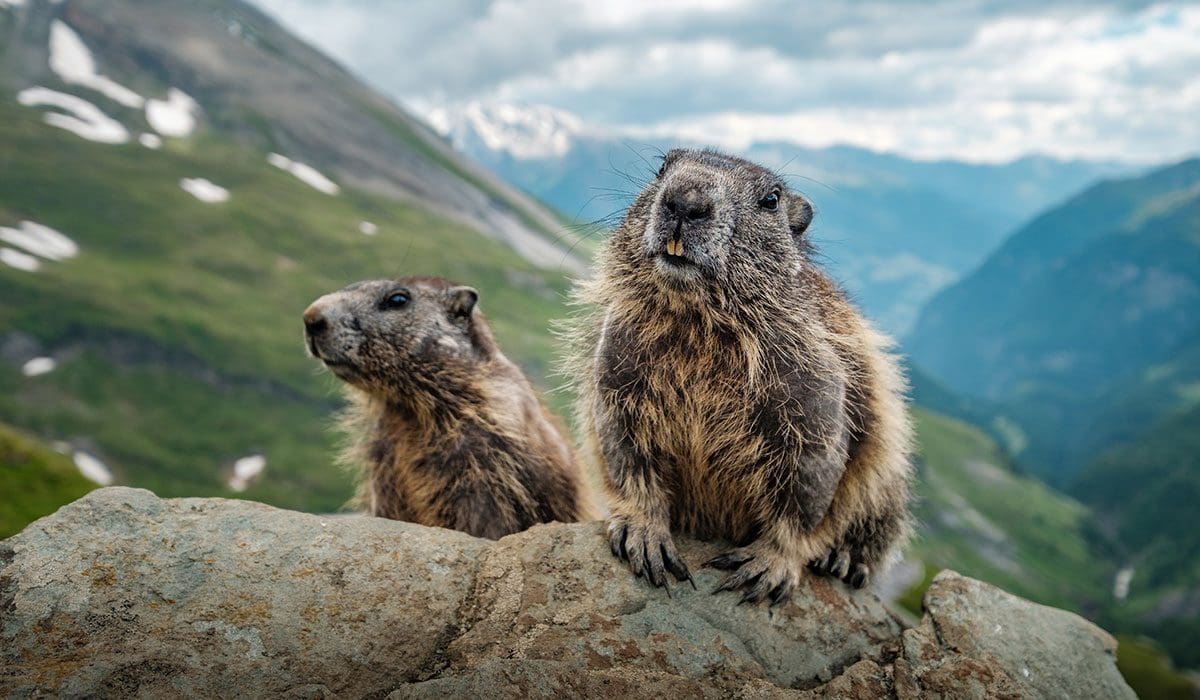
973,79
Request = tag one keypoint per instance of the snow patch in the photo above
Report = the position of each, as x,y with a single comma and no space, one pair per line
246,470
151,141
84,119
93,469
19,260
526,132
39,366
367,228
12,3
174,116
305,173
204,190
1121,583
40,240
72,61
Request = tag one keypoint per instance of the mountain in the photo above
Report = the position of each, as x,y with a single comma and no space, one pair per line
894,230
178,180
1145,492
1078,343
1121,549
977,514
258,86
1085,325
44,478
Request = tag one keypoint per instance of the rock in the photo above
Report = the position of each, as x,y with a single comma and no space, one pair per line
978,641
123,594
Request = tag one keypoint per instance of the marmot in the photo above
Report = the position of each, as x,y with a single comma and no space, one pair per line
728,389
449,430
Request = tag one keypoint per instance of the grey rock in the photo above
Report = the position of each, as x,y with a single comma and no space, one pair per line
979,641
125,594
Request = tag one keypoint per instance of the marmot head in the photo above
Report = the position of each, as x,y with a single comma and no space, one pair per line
708,217
390,337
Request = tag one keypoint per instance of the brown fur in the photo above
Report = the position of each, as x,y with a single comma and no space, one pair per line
448,431
737,394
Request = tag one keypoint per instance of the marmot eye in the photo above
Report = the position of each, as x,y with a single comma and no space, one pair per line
394,300
663,169
771,201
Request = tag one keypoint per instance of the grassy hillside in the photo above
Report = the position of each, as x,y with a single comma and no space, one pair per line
177,327
984,520
44,480
1150,673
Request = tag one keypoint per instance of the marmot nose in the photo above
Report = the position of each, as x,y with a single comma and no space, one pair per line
314,320
690,203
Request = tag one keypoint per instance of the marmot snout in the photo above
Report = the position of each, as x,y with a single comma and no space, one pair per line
450,432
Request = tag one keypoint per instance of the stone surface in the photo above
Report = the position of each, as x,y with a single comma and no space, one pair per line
979,641
124,594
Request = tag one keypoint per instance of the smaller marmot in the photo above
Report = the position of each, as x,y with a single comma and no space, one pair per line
728,389
450,432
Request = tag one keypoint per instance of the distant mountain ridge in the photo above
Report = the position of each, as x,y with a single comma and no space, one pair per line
894,230
1085,324
1078,343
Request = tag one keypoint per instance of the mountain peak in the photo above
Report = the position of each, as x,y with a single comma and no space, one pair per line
523,131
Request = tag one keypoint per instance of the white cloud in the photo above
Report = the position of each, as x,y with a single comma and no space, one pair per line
980,81
1078,87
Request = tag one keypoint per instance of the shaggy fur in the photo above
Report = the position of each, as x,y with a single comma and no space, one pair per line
728,389
450,432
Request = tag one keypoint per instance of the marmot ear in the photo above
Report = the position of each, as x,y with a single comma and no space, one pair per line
463,300
800,214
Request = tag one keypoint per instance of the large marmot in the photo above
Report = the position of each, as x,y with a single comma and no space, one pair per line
449,430
729,390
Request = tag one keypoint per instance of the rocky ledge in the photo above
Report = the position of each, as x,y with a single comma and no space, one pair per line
125,594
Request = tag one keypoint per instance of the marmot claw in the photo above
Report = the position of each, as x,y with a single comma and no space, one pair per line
840,565
758,573
649,551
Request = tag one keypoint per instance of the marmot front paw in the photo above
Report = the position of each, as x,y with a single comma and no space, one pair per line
650,550
759,571
838,563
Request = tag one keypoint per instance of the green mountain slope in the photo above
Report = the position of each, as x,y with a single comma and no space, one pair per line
982,519
176,328
261,87
44,479
1145,493
1083,327
978,516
